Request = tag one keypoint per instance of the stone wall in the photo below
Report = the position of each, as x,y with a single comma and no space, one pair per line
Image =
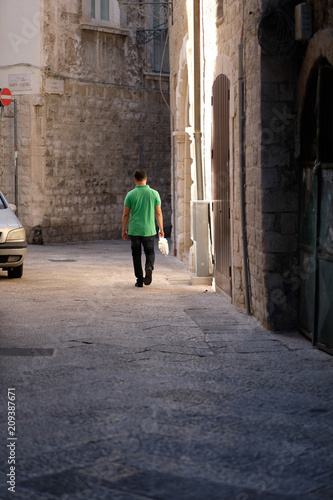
221,34
283,90
273,95
79,145
180,79
279,180
269,161
235,27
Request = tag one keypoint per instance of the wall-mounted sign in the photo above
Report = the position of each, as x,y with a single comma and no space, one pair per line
5,97
19,82
53,86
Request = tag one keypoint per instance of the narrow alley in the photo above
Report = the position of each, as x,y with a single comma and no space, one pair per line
167,392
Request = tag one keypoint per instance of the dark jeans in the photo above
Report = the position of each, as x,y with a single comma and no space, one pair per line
147,242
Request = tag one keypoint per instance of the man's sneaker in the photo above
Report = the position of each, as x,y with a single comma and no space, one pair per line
139,283
148,277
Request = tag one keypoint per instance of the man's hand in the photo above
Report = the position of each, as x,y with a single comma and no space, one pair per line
124,236
159,217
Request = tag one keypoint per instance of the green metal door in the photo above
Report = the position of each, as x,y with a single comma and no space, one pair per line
316,210
307,250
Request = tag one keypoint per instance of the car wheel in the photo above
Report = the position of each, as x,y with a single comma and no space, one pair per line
16,272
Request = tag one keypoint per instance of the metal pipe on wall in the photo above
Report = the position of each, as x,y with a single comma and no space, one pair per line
242,174
199,208
173,185
197,96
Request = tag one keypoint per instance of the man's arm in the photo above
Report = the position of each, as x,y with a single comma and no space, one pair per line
126,214
159,217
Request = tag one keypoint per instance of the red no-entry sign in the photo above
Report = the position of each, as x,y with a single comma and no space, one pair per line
5,97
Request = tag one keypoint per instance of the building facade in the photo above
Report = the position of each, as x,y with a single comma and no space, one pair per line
266,157
91,108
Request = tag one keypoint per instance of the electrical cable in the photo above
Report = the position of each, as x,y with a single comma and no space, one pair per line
161,71
53,73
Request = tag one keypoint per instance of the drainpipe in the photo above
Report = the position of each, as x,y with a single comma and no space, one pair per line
197,104
241,118
199,207
173,187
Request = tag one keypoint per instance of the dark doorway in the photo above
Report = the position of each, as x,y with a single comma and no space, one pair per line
316,210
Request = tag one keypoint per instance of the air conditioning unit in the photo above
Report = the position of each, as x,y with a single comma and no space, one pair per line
303,21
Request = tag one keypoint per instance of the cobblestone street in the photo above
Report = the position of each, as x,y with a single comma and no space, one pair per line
166,392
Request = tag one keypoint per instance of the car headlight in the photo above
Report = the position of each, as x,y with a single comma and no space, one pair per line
16,234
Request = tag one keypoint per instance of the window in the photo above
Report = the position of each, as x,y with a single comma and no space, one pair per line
155,37
161,45
103,12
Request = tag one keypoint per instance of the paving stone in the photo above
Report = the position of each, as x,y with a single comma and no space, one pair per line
141,395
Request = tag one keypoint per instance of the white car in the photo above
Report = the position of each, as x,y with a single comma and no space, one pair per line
13,243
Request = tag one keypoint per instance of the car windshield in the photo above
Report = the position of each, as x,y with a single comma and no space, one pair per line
2,203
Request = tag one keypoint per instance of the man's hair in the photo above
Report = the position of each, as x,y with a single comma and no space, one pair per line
140,175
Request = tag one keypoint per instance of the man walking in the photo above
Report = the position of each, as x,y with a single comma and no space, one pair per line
141,206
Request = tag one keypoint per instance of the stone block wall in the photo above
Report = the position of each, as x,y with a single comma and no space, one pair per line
91,158
271,183
221,33
273,94
283,88
234,27
269,136
180,81
79,146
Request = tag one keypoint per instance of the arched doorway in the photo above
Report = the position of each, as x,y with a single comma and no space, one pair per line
316,209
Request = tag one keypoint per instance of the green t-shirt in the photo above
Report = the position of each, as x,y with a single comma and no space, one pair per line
142,201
